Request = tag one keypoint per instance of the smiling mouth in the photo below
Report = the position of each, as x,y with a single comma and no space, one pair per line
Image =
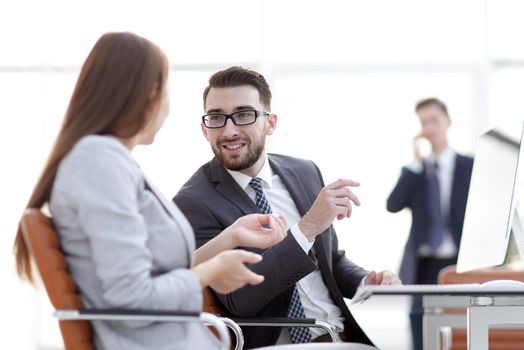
234,147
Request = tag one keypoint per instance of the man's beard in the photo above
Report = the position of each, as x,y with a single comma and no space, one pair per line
237,163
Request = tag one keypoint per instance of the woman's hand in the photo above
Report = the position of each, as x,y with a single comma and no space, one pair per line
227,272
257,230
253,231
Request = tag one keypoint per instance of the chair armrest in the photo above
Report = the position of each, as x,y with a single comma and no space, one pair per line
235,328
148,315
288,322
446,338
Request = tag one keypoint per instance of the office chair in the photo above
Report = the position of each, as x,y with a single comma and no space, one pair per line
499,339
320,346
214,306
77,333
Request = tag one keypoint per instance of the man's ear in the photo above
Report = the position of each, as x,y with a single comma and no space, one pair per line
204,131
271,124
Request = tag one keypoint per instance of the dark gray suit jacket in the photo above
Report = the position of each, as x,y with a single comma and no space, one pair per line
411,192
212,200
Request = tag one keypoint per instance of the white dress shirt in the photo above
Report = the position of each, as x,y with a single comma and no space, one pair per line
312,290
445,171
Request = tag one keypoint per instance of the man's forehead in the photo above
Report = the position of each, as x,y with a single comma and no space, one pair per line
232,98
431,110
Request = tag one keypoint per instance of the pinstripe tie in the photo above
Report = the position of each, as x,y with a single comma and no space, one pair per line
296,310
436,219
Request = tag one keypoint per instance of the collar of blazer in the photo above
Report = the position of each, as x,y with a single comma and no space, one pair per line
296,186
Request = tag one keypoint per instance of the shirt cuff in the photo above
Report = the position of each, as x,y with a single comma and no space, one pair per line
361,284
301,238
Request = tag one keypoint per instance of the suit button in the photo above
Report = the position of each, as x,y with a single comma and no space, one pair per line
297,276
302,271
287,283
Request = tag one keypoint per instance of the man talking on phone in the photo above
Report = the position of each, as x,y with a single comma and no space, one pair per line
435,189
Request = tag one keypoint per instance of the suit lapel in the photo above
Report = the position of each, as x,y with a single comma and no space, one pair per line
298,191
457,175
228,188
293,183
456,192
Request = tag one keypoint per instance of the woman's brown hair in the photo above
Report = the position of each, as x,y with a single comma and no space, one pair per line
111,96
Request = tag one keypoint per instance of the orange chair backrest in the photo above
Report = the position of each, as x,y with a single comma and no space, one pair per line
211,303
449,275
499,339
42,240
213,306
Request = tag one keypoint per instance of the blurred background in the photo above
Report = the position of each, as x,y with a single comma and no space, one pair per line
345,77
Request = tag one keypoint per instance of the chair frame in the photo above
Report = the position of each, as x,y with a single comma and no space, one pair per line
213,305
288,322
148,315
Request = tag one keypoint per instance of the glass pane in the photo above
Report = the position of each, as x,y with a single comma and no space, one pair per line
21,32
20,152
33,106
180,147
506,98
379,30
57,93
505,28
351,111
361,126
61,32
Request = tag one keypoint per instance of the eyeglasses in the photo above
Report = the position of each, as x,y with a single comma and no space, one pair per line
240,118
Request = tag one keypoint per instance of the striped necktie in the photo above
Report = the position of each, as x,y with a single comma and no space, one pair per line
296,310
436,219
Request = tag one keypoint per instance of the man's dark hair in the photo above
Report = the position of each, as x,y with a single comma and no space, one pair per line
238,76
432,101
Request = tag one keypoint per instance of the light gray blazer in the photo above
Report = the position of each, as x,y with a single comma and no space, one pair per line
126,246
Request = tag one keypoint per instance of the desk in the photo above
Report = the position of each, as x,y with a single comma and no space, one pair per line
486,305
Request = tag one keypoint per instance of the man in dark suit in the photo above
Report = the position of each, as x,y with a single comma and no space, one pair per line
435,188
306,275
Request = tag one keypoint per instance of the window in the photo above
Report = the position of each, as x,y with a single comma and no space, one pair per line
345,76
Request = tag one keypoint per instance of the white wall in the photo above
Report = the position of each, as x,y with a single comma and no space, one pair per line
345,76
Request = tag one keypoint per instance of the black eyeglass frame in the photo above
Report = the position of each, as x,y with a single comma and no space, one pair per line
231,116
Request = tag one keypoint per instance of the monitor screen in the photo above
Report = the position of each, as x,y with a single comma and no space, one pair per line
491,200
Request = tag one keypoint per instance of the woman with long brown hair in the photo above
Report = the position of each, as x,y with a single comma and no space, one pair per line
126,245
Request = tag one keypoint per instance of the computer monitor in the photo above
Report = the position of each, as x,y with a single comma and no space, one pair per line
491,215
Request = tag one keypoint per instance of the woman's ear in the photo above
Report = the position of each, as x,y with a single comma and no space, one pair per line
154,93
